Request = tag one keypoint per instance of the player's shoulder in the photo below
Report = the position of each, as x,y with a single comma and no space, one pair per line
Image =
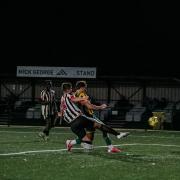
52,90
43,91
80,93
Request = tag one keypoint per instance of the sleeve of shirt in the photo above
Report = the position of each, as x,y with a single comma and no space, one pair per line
42,95
61,104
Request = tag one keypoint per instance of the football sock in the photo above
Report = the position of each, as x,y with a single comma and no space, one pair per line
78,141
108,129
107,140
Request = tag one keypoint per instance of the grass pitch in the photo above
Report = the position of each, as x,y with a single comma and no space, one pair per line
147,155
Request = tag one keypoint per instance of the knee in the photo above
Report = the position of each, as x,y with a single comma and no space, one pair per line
90,135
97,126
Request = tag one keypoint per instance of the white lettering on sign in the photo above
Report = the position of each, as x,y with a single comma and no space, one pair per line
85,73
64,72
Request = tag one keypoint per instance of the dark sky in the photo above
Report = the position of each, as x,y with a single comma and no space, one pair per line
138,35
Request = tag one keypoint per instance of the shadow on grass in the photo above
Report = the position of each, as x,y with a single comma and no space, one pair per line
175,152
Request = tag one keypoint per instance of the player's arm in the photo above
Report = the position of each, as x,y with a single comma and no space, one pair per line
60,114
61,108
43,98
89,105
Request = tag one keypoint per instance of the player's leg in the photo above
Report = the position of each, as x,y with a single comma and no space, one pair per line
78,127
71,143
89,133
45,133
90,130
111,148
108,141
105,128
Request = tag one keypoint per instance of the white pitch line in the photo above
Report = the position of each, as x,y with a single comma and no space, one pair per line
38,151
60,150
141,144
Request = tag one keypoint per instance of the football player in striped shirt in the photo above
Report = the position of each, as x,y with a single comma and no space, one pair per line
78,121
81,91
73,115
48,109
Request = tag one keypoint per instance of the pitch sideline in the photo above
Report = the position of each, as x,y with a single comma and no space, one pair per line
96,147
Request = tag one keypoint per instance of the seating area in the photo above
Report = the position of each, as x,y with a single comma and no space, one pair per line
26,112
135,114
138,115
34,112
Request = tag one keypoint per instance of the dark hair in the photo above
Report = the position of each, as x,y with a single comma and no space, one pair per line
48,83
66,86
80,84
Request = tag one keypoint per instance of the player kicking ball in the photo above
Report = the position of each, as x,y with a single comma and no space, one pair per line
88,110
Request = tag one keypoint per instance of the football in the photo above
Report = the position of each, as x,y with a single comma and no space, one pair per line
153,121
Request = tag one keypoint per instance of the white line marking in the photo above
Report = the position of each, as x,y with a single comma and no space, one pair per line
60,150
141,144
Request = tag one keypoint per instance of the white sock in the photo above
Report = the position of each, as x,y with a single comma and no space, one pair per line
110,146
73,142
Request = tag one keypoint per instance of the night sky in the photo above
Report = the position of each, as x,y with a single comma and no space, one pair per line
139,36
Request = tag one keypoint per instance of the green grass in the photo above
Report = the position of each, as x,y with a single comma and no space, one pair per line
146,155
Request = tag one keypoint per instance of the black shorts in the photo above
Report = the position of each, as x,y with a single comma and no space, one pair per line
90,126
79,125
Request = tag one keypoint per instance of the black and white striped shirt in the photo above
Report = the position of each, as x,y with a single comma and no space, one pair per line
48,100
48,96
69,109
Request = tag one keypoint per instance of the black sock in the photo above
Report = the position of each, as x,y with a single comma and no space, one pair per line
46,132
105,128
88,142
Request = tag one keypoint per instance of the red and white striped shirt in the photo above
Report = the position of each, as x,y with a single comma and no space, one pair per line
69,109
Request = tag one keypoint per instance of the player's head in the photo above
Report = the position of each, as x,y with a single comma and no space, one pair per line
81,84
48,84
66,86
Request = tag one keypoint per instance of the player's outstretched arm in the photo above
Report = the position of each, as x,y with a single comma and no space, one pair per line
89,105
